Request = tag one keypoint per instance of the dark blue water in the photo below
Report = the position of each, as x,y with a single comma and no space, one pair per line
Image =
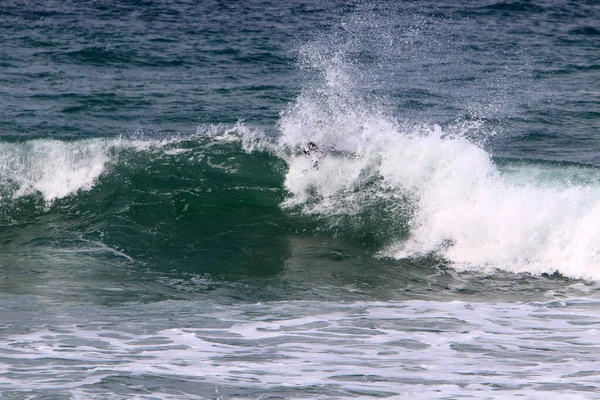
165,235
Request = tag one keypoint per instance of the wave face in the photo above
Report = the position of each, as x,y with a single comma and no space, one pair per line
405,192
424,128
199,204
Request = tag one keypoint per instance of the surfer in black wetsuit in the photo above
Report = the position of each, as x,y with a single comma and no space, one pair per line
311,149
310,146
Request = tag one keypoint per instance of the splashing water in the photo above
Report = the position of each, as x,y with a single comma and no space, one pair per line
440,184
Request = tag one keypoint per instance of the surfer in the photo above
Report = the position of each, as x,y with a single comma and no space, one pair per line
310,146
312,150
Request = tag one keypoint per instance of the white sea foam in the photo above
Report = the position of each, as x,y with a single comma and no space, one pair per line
413,349
466,209
59,168
53,168
463,207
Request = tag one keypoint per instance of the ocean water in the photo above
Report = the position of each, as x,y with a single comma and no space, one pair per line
164,235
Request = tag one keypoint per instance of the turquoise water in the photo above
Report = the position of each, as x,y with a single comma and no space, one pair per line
164,235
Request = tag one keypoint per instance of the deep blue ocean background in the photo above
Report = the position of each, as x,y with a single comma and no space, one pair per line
165,235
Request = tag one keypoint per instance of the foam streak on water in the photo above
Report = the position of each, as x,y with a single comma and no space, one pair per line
417,349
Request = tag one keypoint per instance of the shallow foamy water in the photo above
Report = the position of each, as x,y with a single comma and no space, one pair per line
419,349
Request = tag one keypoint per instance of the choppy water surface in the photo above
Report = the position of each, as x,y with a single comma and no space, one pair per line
164,235
420,349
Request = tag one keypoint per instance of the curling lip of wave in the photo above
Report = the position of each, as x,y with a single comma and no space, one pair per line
466,209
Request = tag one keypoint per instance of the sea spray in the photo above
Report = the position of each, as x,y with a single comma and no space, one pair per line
441,184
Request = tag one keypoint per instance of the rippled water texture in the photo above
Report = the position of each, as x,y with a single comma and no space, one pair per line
305,349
